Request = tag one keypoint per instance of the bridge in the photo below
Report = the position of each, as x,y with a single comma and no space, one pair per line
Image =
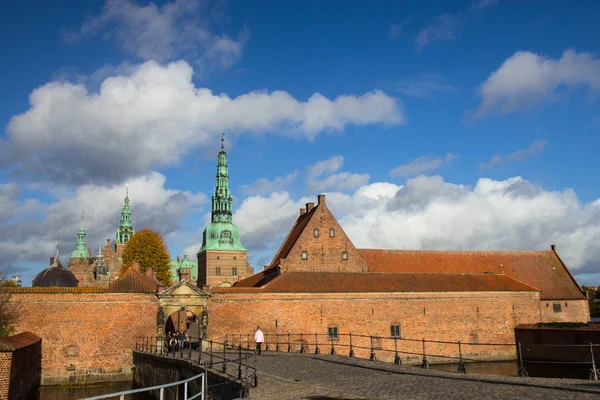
289,375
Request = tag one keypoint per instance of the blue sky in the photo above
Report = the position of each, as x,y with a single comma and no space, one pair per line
437,124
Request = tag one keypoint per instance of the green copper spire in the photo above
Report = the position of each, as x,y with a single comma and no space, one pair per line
125,231
221,199
80,248
221,233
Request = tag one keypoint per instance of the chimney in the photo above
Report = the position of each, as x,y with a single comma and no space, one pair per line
309,206
154,275
51,260
177,259
108,242
321,199
149,272
89,251
302,211
553,247
136,265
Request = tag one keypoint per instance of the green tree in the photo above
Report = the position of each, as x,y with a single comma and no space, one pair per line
8,312
148,247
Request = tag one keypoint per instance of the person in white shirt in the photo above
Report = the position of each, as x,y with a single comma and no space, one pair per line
259,338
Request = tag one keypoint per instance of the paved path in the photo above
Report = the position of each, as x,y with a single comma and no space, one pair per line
302,376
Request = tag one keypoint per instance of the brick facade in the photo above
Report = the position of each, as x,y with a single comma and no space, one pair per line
83,268
565,311
20,366
484,317
225,263
86,336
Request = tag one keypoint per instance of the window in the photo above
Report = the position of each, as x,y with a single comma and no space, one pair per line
218,270
218,258
556,307
395,331
344,255
316,232
304,255
234,271
332,332
234,257
331,232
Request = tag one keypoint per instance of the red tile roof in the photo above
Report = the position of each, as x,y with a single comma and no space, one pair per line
292,236
132,281
53,289
541,269
331,282
591,326
16,342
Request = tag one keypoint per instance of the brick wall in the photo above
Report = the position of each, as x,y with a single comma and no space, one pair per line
5,364
86,337
20,366
570,311
469,317
208,261
324,251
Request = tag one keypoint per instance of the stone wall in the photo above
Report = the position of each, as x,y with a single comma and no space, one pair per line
86,336
20,366
485,317
565,311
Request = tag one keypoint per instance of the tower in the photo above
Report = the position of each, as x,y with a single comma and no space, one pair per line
81,250
125,231
222,259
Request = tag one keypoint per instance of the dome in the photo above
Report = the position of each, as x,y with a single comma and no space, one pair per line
55,275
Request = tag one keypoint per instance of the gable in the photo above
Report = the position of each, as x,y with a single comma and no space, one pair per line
323,252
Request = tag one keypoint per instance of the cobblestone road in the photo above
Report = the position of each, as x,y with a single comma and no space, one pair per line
301,376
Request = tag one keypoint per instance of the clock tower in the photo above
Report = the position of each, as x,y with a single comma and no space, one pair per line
222,260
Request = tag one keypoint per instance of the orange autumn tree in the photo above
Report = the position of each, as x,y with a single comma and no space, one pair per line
148,247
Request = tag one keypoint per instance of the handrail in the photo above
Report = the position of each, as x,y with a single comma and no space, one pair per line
161,387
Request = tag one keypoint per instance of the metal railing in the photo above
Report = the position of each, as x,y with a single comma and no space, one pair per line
161,388
385,348
208,354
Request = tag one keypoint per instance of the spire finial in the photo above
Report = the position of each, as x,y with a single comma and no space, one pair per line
126,190
223,141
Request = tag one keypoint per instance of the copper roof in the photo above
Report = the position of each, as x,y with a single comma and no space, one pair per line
293,235
364,282
16,342
542,269
132,281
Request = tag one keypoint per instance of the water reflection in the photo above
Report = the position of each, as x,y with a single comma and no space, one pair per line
506,368
63,392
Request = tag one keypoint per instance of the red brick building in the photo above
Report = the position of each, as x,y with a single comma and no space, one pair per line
318,281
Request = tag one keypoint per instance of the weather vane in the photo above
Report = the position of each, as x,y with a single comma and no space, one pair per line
126,190
223,141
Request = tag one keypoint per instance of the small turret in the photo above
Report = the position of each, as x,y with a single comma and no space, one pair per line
125,231
81,250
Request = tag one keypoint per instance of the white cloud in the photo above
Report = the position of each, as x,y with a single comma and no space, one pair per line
32,237
429,213
322,176
177,29
536,148
424,85
155,115
422,164
526,78
264,185
443,28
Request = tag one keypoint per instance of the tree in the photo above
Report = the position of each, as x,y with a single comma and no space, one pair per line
147,247
8,312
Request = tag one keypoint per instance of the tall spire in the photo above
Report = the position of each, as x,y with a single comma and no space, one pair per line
125,231
222,202
56,261
80,248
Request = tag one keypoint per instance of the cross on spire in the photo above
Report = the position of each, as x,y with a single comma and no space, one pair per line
126,190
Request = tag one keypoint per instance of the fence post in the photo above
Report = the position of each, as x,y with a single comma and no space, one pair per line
289,344
266,342
425,363
248,341
316,343
397,359
522,370
211,353
332,348
301,344
240,363
224,356
372,356
594,374
351,348
462,368
241,341
200,351
277,342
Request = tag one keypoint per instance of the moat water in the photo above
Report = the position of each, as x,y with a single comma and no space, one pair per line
77,392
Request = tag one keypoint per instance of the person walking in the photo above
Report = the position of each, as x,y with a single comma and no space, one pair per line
259,338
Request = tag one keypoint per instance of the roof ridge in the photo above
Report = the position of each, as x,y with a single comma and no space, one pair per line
460,250
520,281
304,218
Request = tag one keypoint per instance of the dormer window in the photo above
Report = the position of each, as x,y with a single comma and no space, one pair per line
331,232
344,255
316,232
304,255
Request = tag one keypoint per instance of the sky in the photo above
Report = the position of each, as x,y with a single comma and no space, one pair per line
471,124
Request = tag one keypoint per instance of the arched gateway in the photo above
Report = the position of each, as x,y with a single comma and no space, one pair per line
182,307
